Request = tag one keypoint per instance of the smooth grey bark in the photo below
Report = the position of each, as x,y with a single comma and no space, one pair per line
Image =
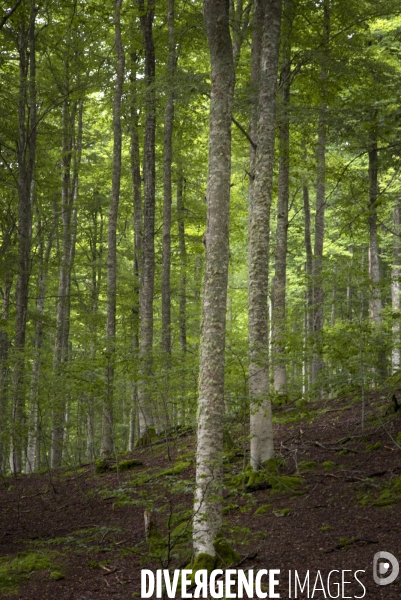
167,194
26,152
374,261
317,265
107,443
309,283
261,426
395,288
138,226
146,419
280,274
182,290
71,158
43,255
209,454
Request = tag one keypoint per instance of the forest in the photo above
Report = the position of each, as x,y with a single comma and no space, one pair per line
200,246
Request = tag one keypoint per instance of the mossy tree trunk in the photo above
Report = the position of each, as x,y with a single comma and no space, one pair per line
208,505
107,417
261,427
146,417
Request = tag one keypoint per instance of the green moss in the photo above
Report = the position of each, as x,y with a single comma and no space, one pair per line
287,483
182,531
101,466
125,465
15,570
226,555
282,512
56,575
148,437
328,465
157,544
176,469
373,447
203,561
326,528
306,465
262,509
258,480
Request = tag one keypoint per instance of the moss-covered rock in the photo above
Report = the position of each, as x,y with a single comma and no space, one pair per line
125,465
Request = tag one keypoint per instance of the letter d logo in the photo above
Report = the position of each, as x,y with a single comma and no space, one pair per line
381,568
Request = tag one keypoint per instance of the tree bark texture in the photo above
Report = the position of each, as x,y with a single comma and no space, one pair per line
167,163
317,265
71,157
395,289
146,419
374,261
208,505
107,416
26,152
261,427
280,275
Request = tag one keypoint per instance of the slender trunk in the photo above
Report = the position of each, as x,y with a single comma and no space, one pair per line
317,266
349,287
309,283
261,426
107,417
71,154
4,374
208,504
26,162
43,256
168,159
395,289
280,276
146,421
138,226
182,291
374,261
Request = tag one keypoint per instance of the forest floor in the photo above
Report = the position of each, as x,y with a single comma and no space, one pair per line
78,535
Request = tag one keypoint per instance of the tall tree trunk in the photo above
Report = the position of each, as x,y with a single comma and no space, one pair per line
43,256
317,266
208,504
138,227
182,292
166,242
168,159
309,283
146,421
4,374
374,261
71,154
26,152
107,417
395,289
280,276
261,426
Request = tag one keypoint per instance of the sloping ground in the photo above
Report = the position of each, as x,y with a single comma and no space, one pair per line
80,536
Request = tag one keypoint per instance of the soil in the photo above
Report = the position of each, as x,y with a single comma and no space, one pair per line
349,509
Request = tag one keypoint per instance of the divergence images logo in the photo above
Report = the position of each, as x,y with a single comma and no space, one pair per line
385,568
